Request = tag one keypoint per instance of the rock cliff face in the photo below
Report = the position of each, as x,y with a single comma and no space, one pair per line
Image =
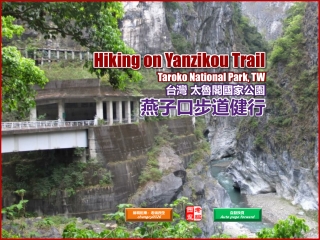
199,26
196,183
290,170
203,190
266,16
209,27
156,194
144,27
204,24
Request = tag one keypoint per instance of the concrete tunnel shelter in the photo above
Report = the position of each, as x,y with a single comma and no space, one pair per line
74,100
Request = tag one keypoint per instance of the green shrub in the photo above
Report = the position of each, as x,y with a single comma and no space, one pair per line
151,171
66,70
180,43
6,234
252,40
172,5
288,48
198,133
259,142
178,228
50,176
156,174
44,223
106,178
222,235
243,236
16,210
144,176
79,151
292,227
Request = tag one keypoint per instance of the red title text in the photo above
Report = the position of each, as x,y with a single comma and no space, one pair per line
172,60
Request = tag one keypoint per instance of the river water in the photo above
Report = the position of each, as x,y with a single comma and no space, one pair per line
218,171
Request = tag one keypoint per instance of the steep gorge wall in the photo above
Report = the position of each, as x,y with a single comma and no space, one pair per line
278,156
266,16
209,26
203,24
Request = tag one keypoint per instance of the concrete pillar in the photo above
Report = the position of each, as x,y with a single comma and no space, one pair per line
128,111
80,55
33,114
119,111
194,121
137,110
72,54
49,55
65,55
172,112
99,109
58,54
110,112
92,145
61,110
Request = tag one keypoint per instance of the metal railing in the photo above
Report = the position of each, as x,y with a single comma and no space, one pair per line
45,124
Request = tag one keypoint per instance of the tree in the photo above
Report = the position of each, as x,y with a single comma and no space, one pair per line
19,74
92,24
292,227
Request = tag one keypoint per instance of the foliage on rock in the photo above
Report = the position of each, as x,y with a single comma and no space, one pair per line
151,171
292,93
250,40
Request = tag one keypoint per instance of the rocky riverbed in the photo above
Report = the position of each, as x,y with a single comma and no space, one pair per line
274,208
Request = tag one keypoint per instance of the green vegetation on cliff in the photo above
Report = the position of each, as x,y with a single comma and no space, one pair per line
66,70
43,174
292,93
202,149
248,39
151,171
289,48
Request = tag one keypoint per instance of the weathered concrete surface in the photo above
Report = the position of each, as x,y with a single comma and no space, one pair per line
122,150
120,142
42,130
43,141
